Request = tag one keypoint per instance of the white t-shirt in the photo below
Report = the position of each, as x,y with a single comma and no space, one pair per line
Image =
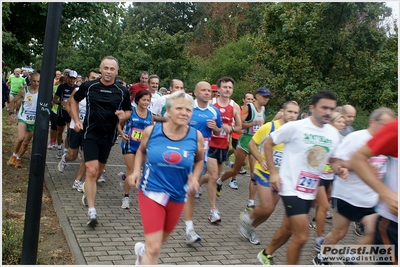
158,106
82,112
307,149
355,191
153,99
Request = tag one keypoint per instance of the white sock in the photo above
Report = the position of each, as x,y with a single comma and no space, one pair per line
60,147
219,182
189,226
91,210
15,154
250,202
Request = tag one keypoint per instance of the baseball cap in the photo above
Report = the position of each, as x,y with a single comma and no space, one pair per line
214,88
73,74
66,71
264,91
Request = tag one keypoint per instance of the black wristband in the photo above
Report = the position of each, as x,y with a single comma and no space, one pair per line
10,112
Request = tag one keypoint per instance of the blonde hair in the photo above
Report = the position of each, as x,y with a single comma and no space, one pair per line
336,115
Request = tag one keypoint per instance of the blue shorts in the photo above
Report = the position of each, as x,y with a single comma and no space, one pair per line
261,178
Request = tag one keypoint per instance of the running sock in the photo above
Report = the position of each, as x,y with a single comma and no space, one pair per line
219,182
15,154
59,147
18,157
91,209
265,253
126,195
250,202
189,226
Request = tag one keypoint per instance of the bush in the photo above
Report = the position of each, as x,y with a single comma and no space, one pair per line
12,243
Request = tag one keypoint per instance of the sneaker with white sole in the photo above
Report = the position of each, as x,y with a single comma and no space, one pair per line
139,252
126,202
62,164
214,216
245,225
59,153
253,237
265,259
242,171
192,237
198,193
92,221
233,184
102,179
122,178
77,185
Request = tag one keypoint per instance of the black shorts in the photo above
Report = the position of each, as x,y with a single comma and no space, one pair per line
125,151
221,155
96,150
234,142
53,121
75,138
295,205
63,118
349,211
386,233
326,183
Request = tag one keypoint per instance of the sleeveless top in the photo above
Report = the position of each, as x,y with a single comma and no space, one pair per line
222,140
255,115
168,164
134,129
27,112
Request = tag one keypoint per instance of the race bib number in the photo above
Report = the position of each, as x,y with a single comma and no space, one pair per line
255,128
206,145
380,165
307,182
222,135
277,158
30,116
136,134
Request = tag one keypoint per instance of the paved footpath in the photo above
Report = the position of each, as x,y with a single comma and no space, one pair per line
113,240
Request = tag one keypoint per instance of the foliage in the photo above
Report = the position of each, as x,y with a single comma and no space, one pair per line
12,242
156,52
309,46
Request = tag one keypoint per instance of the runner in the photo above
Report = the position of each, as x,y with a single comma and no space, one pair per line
308,145
267,197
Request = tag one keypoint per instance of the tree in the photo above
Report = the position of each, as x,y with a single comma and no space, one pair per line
339,46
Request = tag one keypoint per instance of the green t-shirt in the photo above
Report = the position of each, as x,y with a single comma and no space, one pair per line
54,108
16,84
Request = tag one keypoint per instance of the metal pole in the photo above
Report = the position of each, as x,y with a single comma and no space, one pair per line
39,143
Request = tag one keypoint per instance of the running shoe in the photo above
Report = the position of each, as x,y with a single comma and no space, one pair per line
245,225
219,188
139,251
122,177
126,202
318,260
250,208
253,237
192,237
77,185
359,228
233,184
265,259
198,193
102,179
59,153
11,161
214,216
313,224
242,171
17,163
62,164
50,146
92,221
318,243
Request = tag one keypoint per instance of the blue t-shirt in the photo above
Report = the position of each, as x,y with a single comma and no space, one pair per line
134,129
169,163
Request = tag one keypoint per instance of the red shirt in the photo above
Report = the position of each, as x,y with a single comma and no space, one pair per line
222,140
136,88
385,141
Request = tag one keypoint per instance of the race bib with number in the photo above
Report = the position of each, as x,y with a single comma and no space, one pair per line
159,197
380,165
222,135
206,145
136,134
255,128
307,182
277,158
30,116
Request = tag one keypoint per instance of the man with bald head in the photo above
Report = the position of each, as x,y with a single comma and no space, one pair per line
349,112
207,119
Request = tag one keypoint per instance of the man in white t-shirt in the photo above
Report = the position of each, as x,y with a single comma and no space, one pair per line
154,82
309,144
353,199
159,108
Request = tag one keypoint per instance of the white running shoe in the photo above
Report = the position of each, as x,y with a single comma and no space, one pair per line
126,202
139,251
